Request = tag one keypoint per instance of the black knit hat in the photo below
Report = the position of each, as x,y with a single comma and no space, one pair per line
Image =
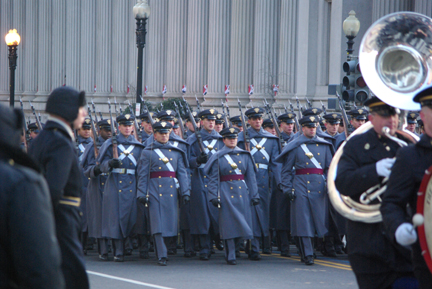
65,102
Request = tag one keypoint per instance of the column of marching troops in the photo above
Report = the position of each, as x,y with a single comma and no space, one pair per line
217,185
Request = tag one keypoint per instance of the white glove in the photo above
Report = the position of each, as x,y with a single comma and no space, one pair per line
383,167
405,234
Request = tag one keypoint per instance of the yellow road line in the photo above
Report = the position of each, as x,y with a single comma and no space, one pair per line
319,262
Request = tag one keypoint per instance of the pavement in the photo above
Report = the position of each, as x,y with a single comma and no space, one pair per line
273,271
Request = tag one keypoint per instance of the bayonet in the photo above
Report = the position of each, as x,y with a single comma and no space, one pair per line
245,132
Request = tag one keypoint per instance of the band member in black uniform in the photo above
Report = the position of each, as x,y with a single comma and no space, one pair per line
407,174
29,251
367,158
54,151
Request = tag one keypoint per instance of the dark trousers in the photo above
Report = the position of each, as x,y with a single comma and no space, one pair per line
118,247
143,243
161,249
305,246
230,248
188,241
102,246
283,241
205,244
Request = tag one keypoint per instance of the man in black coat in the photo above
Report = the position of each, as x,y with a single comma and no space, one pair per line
366,160
29,251
54,151
407,174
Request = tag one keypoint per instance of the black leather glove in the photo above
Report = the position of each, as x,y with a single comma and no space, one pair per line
185,199
202,158
290,195
143,200
96,170
215,202
255,201
114,163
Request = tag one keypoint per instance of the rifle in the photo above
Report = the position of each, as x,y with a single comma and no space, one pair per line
149,115
227,109
275,123
95,136
182,129
308,102
323,107
285,108
115,106
298,107
100,114
344,115
37,119
226,124
197,131
136,130
296,122
94,111
245,132
198,104
114,133
25,128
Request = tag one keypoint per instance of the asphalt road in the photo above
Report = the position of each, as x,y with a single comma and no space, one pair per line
272,271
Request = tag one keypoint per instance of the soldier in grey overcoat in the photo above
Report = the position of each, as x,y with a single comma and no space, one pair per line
264,148
232,180
119,209
162,179
203,215
95,189
310,155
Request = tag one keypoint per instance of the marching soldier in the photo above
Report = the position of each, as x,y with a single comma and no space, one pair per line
412,122
54,151
190,128
310,155
421,126
146,125
332,122
236,122
163,178
358,118
176,127
367,159
219,123
264,148
29,250
95,188
268,126
203,216
119,208
83,139
232,180
402,187
287,126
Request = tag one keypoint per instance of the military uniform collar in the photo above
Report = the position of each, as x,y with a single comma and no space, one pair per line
63,125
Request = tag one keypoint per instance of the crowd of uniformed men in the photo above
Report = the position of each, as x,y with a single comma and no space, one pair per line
214,186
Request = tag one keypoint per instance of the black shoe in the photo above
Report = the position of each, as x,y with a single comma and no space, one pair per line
219,245
103,257
162,261
254,256
144,255
285,254
266,251
151,249
309,260
331,253
231,262
128,252
189,254
204,257
172,252
339,251
119,258
238,255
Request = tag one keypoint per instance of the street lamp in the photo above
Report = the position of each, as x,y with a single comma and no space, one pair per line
351,27
141,12
12,40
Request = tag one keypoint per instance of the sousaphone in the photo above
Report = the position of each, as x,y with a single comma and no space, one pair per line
395,60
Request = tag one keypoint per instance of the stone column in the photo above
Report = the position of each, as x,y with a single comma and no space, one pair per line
266,43
30,76
423,7
44,49
288,51
197,48
103,48
58,43
384,7
156,49
242,51
73,43
5,26
177,45
87,73
219,51
119,57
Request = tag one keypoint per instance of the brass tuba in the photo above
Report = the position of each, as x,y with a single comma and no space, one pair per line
396,63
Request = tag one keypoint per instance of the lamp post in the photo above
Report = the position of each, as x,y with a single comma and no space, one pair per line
141,12
351,27
12,40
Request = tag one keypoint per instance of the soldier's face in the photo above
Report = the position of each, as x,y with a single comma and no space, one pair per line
125,130
105,134
287,127
84,132
341,129
411,127
190,126
161,137
240,127
177,131
230,142
218,127
147,127
356,123
255,122
82,113
271,130
208,124
426,116
379,122
33,135
332,128
309,132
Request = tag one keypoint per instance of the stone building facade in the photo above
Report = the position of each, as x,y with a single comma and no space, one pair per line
90,45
